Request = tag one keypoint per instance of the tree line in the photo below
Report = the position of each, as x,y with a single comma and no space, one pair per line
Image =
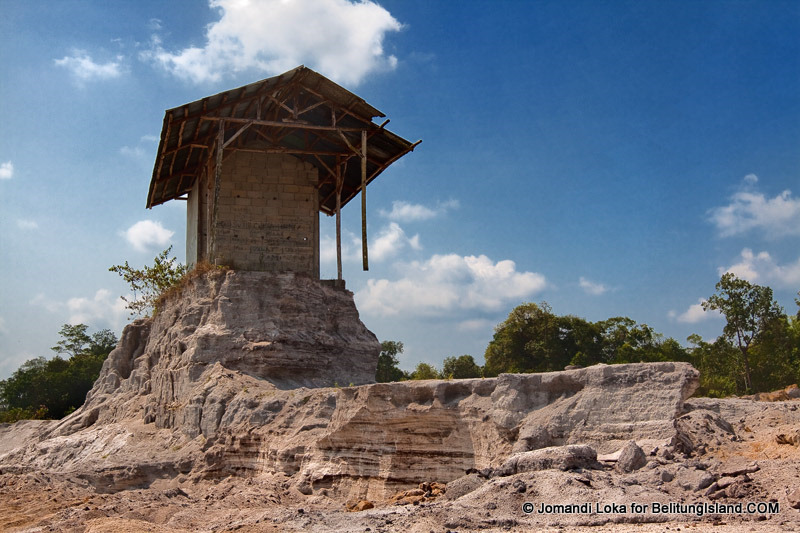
758,351
53,388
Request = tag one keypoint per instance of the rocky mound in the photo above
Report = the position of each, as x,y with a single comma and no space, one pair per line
280,331
236,400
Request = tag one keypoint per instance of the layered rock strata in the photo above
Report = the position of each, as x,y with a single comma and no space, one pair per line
282,331
234,377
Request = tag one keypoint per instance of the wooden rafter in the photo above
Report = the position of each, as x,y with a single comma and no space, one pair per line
364,254
299,113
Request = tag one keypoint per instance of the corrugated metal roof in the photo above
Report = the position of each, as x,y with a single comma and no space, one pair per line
299,112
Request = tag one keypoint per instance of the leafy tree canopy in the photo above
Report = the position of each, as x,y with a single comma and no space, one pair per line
387,362
54,388
534,339
425,371
750,312
461,367
758,351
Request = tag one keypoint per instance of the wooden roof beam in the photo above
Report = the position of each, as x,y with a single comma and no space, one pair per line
281,124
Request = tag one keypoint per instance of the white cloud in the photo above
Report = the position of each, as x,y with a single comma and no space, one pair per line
134,152
84,68
47,303
445,284
25,224
146,235
407,212
342,39
750,179
102,309
391,240
749,209
590,287
139,151
695,314
6,170
351,248
761,268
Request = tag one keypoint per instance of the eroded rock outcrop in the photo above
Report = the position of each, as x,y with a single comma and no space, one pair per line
236,377
282,330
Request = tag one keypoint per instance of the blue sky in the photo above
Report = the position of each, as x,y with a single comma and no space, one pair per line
610,158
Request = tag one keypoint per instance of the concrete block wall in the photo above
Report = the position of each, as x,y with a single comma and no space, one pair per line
268,214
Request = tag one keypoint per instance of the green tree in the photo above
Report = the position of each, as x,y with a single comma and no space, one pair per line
387,362
56,387
23,390
749,310
461,367
625,341
525,342
73,339
797,301
719,365
425,371
150,282
533,339
102,342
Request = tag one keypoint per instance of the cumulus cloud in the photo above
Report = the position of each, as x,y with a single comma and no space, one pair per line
147,235
590,287
407,212
752,210
6,170
351,248
389,241
84,68
761,268
445,284
343,39
101,309
143,150
41,300
695,314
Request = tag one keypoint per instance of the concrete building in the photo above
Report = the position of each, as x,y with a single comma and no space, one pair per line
257,164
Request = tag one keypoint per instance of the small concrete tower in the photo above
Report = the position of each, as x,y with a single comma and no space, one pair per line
257,164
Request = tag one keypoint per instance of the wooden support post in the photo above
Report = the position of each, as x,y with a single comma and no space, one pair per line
217,179
339,183
364,255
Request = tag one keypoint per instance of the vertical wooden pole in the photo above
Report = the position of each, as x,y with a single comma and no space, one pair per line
364,254
339,184
217,179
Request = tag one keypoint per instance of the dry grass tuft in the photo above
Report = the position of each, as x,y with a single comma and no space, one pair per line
200,269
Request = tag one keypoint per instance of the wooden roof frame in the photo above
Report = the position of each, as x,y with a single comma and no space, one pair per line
301,113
